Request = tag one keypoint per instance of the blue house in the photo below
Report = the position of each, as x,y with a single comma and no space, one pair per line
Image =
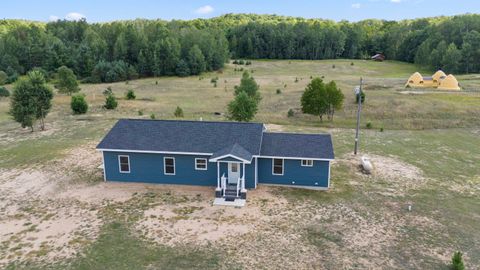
230,156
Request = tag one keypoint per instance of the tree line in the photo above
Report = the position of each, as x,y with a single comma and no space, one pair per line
123,50
109,52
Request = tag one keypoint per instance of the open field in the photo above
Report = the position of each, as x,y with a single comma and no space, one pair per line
56,212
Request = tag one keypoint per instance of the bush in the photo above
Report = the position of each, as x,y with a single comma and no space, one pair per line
296,79
110,102
381,129
79,104
152,116
130,95
214,80
113,72
369,125
290,113
4,92
3,77
352,64
140,112
156,82
178,112
457,261
248,62
12,75
279,91
362,94
241,62
333,66
235,62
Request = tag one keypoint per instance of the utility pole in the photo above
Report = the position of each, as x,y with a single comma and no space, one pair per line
358,93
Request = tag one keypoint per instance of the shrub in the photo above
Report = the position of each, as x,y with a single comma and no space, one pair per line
214,80
381,129
110,102
130,95
457,261
113,71
362,94
279,91
333,66
215,84
3,77
140,112
241,62
369,125
296,79
290,113
79,104
152,116
4,92
248,62
178,112
156,82
352,64
235,62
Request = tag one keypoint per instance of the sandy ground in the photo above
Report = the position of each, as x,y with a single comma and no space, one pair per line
50,215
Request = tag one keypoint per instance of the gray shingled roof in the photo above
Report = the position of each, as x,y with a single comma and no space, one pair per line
297,145
234,150
182,136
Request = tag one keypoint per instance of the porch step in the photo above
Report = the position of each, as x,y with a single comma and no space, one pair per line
230,198
231,192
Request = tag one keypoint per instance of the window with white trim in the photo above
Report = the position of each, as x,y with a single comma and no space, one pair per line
124,164
307,163
200,164
277,166
169,165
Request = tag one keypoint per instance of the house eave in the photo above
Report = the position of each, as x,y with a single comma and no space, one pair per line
153,152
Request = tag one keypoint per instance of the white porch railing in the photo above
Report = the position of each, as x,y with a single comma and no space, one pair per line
240,185
223,183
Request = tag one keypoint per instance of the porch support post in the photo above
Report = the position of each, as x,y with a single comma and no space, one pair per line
218,190
218,174
243,177
243,191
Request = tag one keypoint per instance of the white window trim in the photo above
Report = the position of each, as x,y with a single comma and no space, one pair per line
307,161
201,169
273,166
165,166
120,165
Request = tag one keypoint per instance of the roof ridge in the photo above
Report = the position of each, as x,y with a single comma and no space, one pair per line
292,133
191,121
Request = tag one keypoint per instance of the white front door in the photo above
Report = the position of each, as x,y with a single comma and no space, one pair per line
233,172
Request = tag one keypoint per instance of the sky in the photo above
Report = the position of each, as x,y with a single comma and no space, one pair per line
352,10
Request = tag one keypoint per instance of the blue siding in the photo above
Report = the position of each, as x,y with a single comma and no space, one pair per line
148,168
293,173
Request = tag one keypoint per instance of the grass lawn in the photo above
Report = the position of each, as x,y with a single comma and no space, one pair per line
429,147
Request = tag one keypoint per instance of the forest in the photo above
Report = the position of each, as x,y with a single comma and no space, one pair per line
123,50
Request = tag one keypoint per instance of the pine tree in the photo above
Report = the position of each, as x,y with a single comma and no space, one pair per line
67,81
31,100
243,108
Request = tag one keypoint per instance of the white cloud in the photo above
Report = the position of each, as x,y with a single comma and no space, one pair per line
74,16
356,5
53,18
204,10
395,1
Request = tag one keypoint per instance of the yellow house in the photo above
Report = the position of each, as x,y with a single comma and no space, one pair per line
438,80
438,76
449,83
416,80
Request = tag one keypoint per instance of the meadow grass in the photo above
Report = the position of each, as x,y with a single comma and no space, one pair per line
436,131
